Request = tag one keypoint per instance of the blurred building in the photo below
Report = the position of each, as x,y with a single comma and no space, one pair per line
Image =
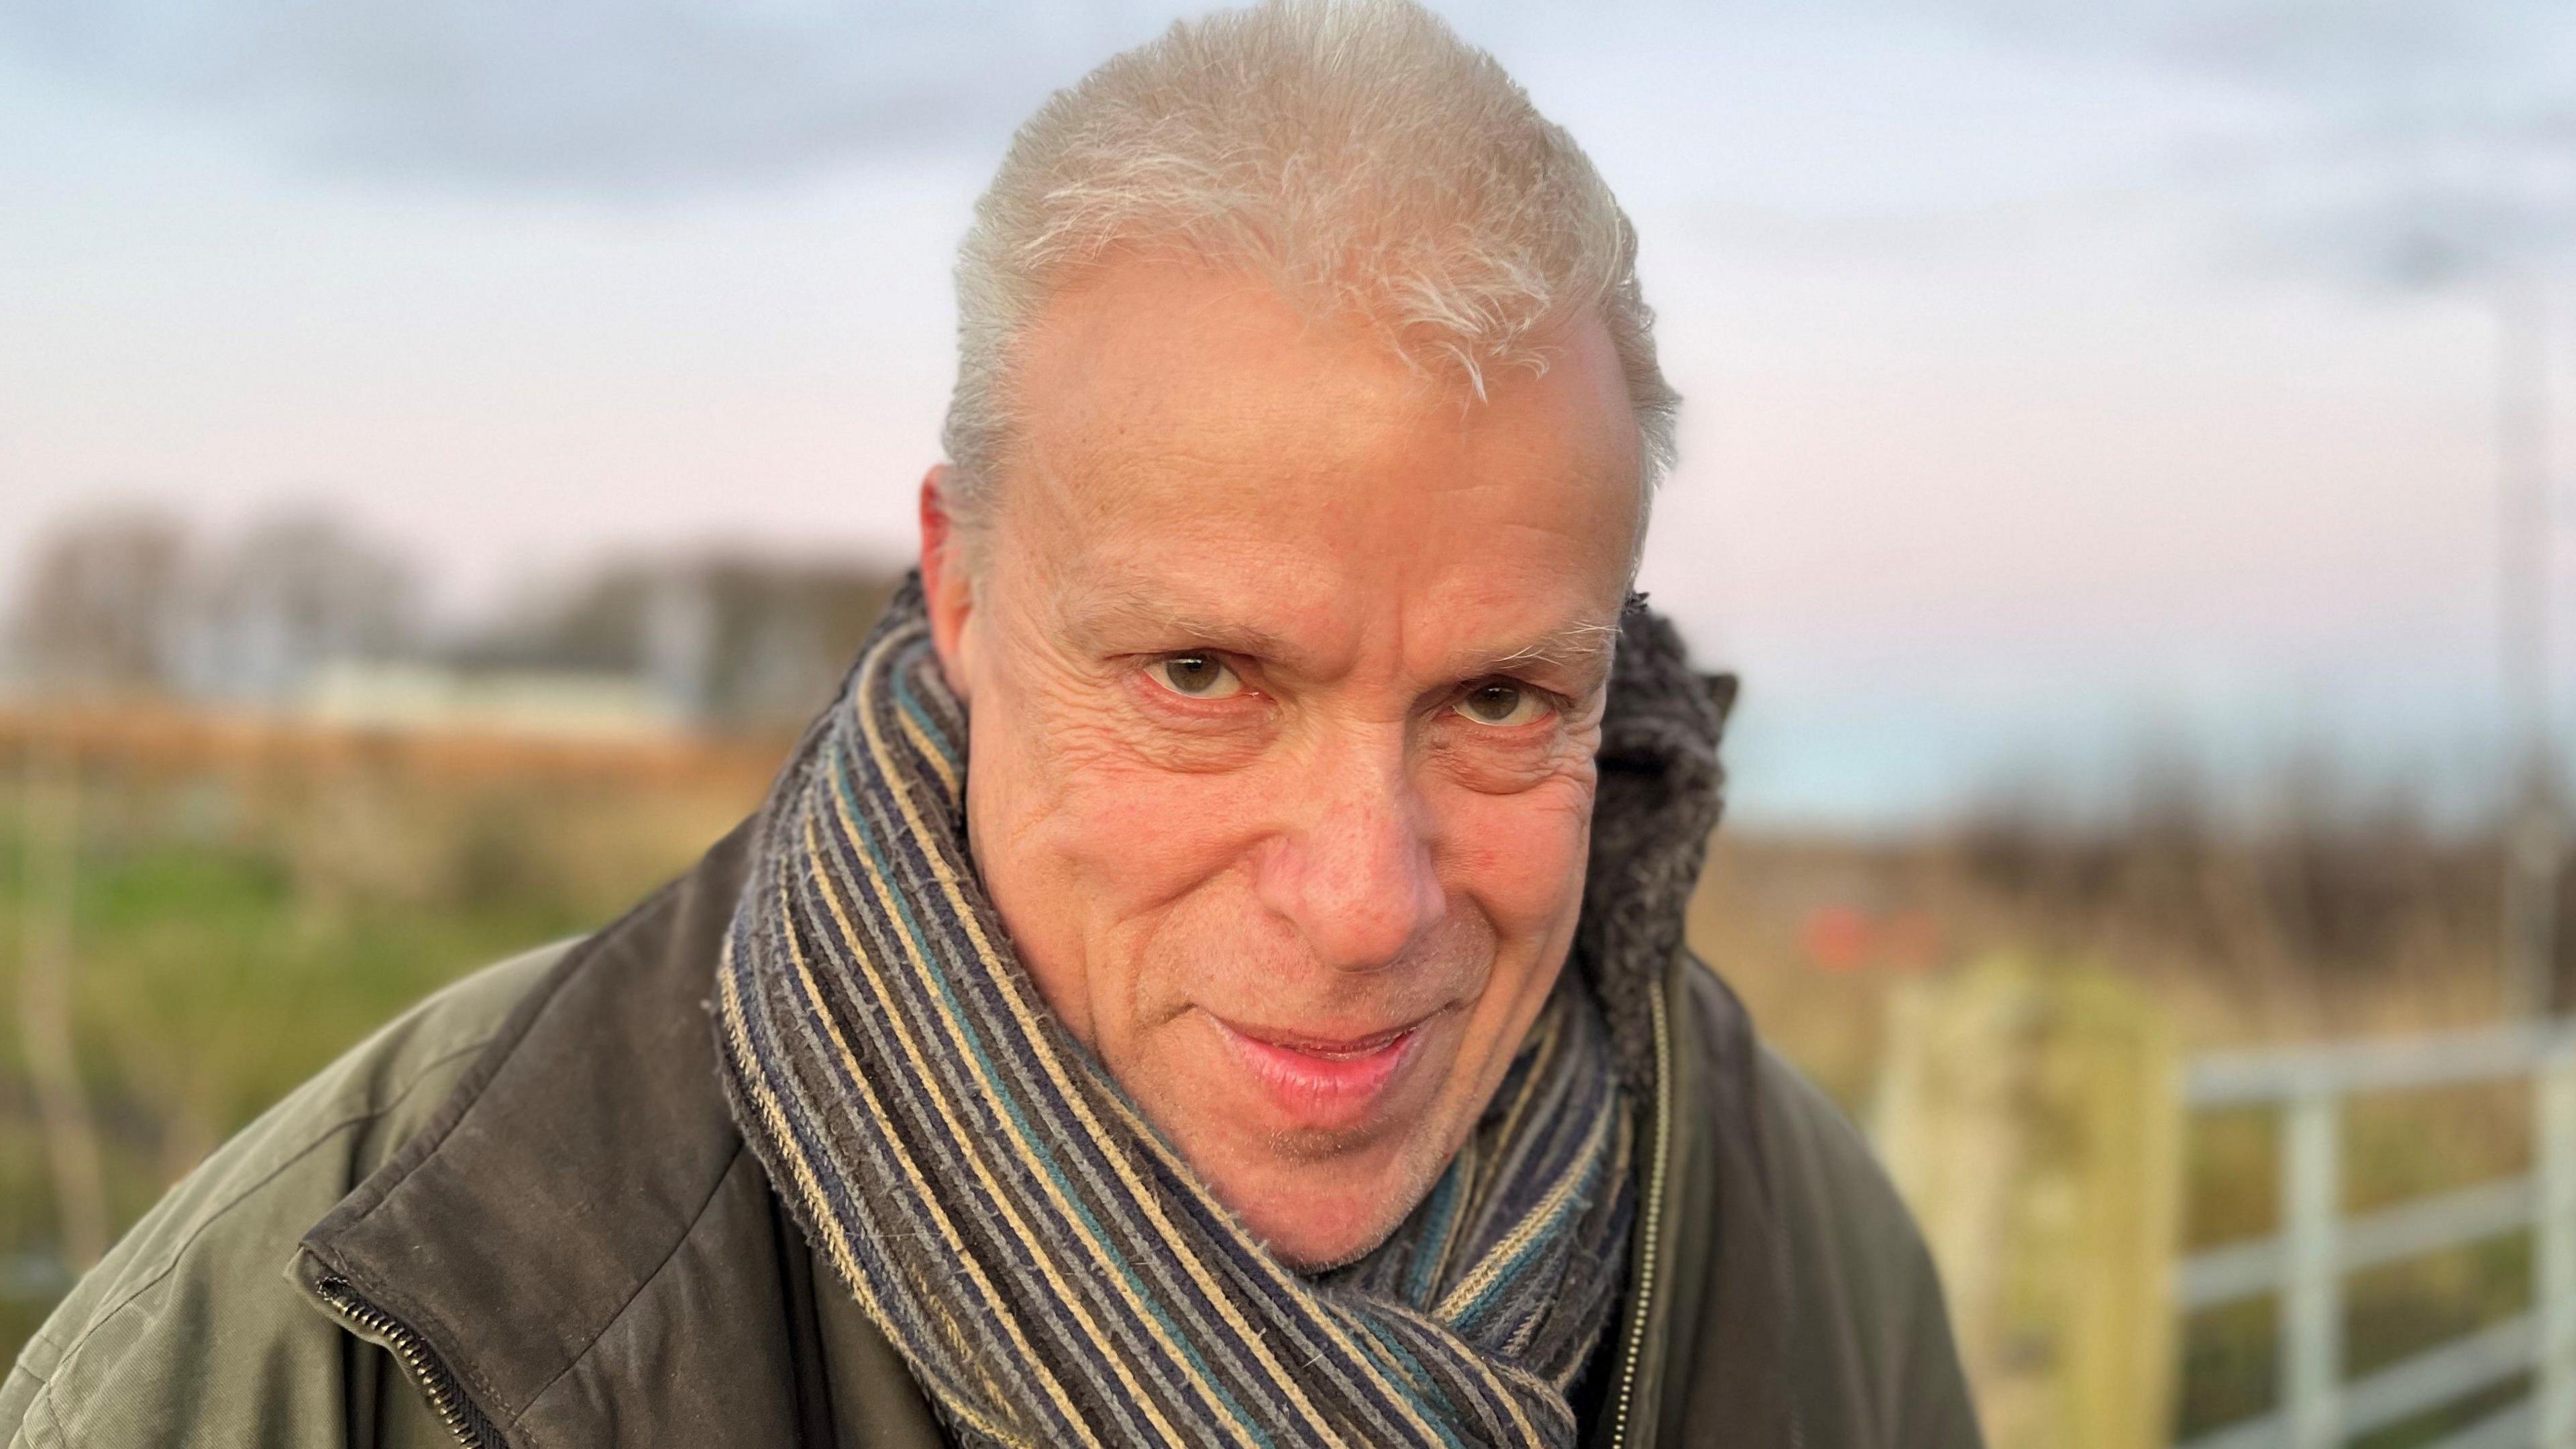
730,643
295,596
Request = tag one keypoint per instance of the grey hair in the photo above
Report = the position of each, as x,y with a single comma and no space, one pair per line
1355,153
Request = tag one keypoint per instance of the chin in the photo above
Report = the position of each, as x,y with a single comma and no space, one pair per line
1314,1214
1308,1246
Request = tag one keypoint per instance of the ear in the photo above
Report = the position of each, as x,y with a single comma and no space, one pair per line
947,585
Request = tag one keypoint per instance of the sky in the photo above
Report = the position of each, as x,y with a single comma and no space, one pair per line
2061,378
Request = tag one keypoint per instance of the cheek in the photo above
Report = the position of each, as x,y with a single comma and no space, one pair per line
1089,801
1085,848
1140,837
1521,857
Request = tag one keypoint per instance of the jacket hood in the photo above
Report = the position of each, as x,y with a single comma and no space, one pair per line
1661,793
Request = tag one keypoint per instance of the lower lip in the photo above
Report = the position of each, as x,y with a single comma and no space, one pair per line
1320,1089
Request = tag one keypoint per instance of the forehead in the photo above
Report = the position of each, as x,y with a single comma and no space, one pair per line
1190,430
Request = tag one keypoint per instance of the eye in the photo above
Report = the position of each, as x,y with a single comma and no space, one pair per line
1501,703
1197,676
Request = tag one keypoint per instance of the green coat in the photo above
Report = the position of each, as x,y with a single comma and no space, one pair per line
521,1215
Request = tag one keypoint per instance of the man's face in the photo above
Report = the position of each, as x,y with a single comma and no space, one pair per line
1285,665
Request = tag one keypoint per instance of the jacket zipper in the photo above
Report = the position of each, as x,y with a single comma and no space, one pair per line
1780,1266
1650,1224
419,1360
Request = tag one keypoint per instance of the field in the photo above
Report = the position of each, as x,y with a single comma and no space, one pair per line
245,902
227,904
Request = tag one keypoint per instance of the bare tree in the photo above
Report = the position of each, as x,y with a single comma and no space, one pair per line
101,603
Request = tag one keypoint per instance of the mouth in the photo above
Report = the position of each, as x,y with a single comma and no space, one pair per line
1322,1081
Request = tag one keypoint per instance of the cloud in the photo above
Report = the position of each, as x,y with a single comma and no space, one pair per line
2394,140
621,96
2404,142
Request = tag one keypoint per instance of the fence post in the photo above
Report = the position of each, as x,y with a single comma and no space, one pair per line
2032,1117
1944,1123
45,988
2312,1300
2553,1125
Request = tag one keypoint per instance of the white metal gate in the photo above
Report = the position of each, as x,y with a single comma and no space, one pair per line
2305,1262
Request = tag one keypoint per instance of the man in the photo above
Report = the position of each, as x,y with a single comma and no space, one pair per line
1215,976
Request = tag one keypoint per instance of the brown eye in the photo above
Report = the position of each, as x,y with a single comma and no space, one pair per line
1502,702
1197,676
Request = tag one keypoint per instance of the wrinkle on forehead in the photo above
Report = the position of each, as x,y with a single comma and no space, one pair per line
1174,367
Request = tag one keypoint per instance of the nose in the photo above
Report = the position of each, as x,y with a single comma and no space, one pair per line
1356,876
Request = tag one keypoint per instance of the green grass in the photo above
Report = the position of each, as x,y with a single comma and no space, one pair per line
226,945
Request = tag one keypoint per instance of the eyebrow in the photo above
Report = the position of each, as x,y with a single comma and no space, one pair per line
1584,650
1107,609
1576,648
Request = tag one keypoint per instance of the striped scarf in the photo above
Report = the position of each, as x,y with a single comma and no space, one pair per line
1049,1268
